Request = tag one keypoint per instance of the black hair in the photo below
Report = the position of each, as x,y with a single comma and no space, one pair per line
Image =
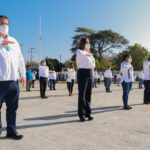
42,61
4,17
125,56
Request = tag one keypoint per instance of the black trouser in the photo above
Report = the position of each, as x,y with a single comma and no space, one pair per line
85,90
70,86
43,85
107,83
147,91
9,92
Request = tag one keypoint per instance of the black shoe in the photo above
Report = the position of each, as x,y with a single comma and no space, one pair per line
109,91
127,107
146,103
45,97
82,119
14,136
90,118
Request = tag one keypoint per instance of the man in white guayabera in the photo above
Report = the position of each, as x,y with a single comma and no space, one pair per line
12,69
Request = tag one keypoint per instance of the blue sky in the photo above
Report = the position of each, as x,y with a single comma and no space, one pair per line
131,18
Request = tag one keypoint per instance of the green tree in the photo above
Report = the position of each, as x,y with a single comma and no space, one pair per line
138,54
102,42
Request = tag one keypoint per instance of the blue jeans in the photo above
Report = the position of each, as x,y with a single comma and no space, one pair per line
107,83
52,84
126,86
9,93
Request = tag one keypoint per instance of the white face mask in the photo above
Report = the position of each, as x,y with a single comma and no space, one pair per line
4,29
130,60
87,46
44,64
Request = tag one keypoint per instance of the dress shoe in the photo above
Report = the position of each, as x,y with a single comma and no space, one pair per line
146,103
45,97
14,136
82,119
127,108
90,118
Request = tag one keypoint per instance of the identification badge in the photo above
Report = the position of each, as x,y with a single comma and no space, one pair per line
7,48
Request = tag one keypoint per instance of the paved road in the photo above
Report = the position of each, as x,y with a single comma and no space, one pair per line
53,124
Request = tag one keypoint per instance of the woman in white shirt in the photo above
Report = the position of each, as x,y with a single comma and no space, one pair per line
33,79
71,76
141,79
52,79
127,78
108,79
85,64
43,73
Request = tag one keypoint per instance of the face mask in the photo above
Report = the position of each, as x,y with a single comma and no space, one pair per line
4,29
43,64
130,60
87,46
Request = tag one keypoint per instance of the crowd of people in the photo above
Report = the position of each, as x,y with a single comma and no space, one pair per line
12,69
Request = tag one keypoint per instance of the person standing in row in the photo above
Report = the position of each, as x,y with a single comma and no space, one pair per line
119,79
33,79
141,79
12,68
95,79
146,70
85,64
28,79
43,74
127,78
52,79
71,76
108,79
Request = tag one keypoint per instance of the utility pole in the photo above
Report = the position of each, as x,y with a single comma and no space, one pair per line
31,54
60,58
40,38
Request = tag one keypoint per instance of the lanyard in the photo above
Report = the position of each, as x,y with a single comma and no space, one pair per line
7,48
129,74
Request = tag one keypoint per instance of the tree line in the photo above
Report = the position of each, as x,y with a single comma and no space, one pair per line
108,48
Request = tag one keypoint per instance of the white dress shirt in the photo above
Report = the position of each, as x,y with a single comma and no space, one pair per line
108,74
146,70
52,75
12,65
71,75
141,75
83,61
127,73
95,75
44,71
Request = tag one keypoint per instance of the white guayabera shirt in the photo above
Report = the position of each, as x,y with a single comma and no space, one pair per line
83,61
71,75
12,64
127,72
146,70
108,74
43,71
